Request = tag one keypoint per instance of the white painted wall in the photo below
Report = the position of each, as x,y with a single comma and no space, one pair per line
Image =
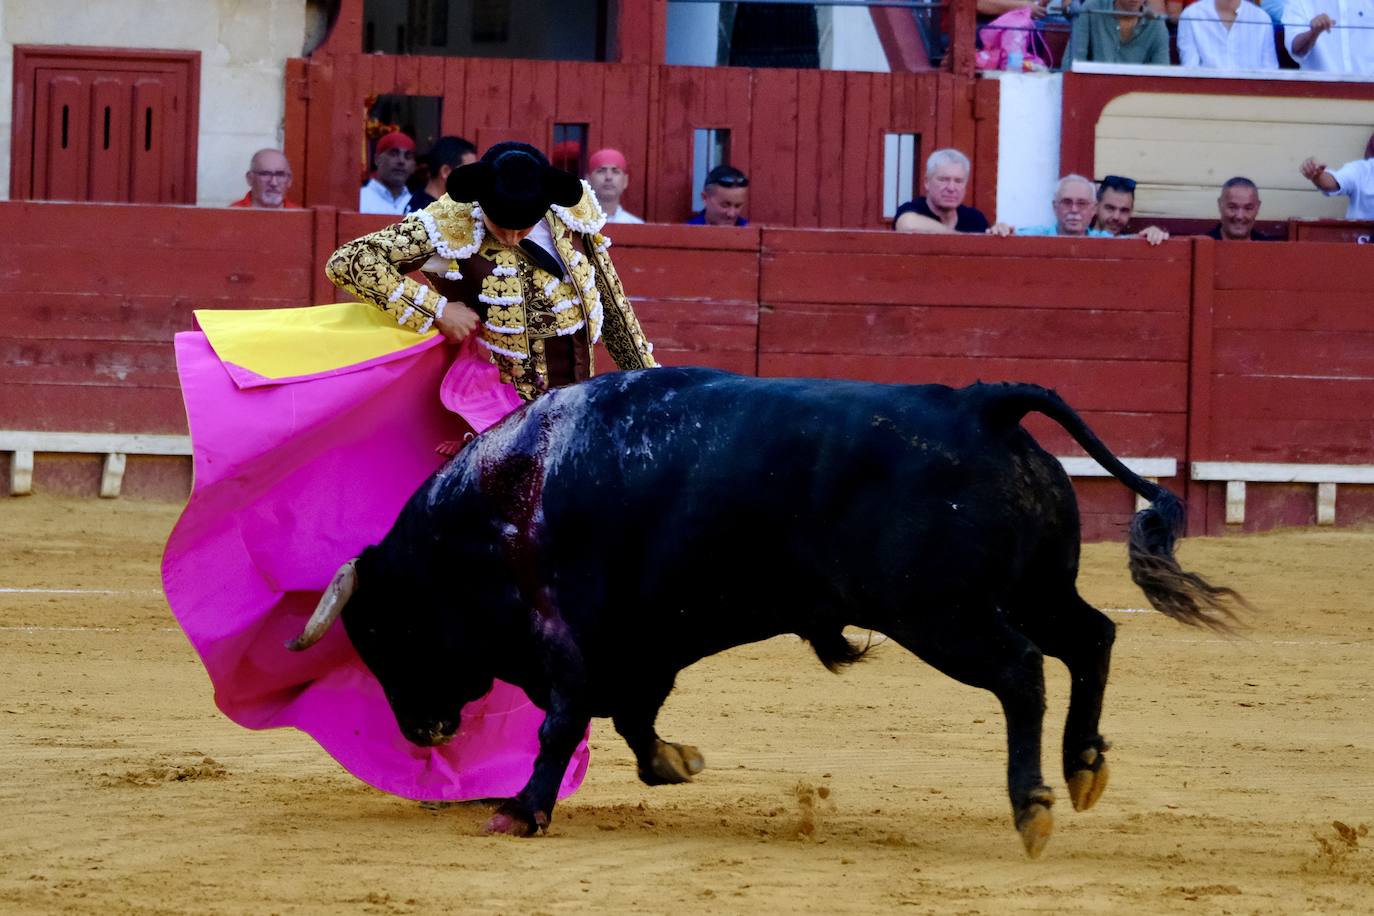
1028,146
244,47
849,40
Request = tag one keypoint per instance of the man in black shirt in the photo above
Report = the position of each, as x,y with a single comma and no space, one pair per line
447,154
942,210
1239,206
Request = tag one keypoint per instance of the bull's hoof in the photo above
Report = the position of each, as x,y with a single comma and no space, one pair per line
1087,784
1035,823
672,763
512,819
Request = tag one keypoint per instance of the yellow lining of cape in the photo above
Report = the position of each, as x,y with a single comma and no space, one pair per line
285,343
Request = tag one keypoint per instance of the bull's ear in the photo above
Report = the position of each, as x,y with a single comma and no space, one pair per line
331,605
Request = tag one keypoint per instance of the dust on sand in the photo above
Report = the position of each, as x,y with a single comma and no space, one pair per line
1243,769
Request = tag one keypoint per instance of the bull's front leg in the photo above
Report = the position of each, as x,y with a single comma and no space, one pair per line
564,725
530,812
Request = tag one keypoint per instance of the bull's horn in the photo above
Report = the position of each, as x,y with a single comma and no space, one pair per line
331,605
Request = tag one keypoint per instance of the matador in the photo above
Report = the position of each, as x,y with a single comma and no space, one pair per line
514,253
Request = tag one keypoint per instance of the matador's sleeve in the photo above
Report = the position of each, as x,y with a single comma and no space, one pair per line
372,269
620,329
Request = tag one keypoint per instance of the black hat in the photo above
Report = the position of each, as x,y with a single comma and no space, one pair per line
514,184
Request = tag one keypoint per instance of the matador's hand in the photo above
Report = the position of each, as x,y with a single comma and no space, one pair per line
457,322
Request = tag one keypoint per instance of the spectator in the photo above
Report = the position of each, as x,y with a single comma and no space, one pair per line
1226,35
447,154
609,176
1075,202
723,198
269,178
1118,32
1318,41
942,210
1116,205
1239,206
1354,179
393,163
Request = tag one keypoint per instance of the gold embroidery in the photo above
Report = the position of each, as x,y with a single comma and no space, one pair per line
371,267
519,297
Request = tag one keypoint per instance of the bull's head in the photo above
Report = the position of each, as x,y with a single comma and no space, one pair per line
412,649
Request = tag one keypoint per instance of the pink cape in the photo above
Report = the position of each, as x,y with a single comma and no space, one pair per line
293,477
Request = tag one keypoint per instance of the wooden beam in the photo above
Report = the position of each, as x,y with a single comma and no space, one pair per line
112,475
21,473
641,32
1267,472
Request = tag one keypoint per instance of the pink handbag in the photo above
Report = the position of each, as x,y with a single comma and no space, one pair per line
1009,33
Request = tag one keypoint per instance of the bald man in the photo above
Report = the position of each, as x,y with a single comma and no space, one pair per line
269,178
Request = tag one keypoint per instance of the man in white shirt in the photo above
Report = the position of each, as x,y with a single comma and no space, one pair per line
1331,36
385,191
1354,179
609,176
1226,35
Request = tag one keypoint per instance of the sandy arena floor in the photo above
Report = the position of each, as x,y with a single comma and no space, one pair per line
1243,769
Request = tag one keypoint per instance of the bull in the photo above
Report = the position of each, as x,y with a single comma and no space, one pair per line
614,532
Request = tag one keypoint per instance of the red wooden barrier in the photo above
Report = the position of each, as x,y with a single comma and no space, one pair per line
1284,358
1105,322
1194,350
93,293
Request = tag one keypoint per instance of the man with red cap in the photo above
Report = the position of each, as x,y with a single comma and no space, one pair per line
513,254
609,176
393,163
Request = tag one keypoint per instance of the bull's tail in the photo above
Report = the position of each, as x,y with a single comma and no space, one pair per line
835,649
1173,591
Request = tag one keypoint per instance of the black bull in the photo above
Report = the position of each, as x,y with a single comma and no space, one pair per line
608,535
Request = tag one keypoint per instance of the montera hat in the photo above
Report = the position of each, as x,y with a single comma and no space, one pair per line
514,184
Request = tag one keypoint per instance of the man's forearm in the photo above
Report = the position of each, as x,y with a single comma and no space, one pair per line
1304,42
1326,181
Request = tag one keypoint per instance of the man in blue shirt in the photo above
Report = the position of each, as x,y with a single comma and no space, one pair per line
723,198
1075,202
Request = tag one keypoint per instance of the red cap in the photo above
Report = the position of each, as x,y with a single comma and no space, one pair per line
394,140
607,156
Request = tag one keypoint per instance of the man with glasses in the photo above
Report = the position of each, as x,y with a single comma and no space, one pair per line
1116,205
1075,202
269,178
723,198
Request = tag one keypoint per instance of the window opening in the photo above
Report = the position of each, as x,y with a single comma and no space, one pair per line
569,151
710,148
899,171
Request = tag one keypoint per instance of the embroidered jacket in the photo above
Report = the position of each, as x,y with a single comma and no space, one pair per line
521,303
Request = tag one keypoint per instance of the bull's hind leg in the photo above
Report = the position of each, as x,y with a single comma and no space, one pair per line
980,649
660,762
1081,636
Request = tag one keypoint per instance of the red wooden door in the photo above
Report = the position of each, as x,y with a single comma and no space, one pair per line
100,125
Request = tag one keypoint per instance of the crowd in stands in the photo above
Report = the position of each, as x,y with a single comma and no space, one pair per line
1082,207
1326,36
